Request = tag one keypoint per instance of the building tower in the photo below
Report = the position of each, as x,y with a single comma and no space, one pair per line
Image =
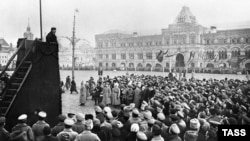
28,33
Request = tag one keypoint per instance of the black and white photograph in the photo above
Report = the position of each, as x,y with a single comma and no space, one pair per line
124,70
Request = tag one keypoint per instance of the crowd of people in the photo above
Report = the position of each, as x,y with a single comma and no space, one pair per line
151,108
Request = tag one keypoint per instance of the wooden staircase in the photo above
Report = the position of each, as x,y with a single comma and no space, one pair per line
15,82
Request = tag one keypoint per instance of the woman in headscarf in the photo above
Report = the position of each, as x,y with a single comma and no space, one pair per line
83,94
106,94
115,97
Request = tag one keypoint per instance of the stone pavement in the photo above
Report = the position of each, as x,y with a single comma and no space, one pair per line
71,104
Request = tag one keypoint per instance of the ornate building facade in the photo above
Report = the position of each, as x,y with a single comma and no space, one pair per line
192,46
6,51
84,55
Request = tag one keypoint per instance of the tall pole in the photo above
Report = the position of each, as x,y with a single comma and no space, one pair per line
126,65
41,25
170,64
73,49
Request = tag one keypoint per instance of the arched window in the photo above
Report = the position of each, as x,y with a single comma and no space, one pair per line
222,53
248,40
148,66
247,52
139,65
210,54
235,52
131,65
158,66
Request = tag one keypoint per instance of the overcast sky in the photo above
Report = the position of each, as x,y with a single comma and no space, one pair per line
98,16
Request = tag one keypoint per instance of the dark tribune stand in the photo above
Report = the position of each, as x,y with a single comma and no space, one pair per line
40,88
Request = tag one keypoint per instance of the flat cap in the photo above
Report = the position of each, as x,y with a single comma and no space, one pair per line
42,114
80,116
174,129
98,109
141,136
68,122
22,117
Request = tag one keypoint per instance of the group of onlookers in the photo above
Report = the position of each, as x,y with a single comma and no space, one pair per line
151,108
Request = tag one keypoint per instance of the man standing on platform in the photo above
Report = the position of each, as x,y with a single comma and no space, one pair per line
51,37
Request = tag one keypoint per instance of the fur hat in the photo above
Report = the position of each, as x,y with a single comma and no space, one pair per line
190,135
194,124
88,124
134,127
68,122
80,117
174,129
147,114
151,121
107,110
62,117
141,136
98,109
96,122
161,116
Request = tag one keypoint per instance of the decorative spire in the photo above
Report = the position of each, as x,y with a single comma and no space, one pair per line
28,34
28,27
185,16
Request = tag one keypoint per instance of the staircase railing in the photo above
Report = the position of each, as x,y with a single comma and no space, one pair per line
16,70
11,59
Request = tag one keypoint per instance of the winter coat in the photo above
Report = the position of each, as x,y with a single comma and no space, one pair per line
116,96
106,96
38,130
83,94
137,97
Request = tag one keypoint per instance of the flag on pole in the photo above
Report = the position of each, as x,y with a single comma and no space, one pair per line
191,56
160,55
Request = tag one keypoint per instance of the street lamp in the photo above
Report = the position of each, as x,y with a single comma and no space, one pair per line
73,40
